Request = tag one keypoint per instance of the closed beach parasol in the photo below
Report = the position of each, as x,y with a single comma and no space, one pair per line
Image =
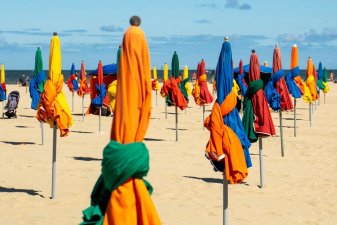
200,91
36,85
228,140
186,81
172,90
165,79
72,84
281,88
101,92
311,86
322,80
83,89
54,107
256,119
2,88
296,86
121,196
155,83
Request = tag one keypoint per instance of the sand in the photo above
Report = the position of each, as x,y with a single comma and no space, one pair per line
300,188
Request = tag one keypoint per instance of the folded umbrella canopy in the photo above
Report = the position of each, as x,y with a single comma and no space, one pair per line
72,80
296,86
2,84
100,87
277,80
186,81
322,79
36,84
226,100
54,106
155,83
256,119
241,79
200,92
121,196
310,80
224,147
83,89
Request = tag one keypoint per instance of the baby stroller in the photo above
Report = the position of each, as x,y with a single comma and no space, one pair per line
12,104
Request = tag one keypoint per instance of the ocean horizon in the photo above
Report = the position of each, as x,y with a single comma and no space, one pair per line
13,76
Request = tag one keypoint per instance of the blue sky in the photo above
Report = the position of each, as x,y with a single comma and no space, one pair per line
92,30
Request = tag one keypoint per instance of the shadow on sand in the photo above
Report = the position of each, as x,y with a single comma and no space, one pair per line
87,159
27,191
19,142
207,180
153,139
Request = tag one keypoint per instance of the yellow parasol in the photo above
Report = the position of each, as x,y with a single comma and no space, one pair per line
2,76
54,108
187,84
165,76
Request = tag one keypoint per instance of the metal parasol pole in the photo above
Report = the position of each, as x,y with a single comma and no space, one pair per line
176,123
225,198
203,116
294,117
281,133
3,109
261,163
315,105
53,188
324,98
156,98
319,99
165,110
72,102
310,109
42,134
99,120
82,108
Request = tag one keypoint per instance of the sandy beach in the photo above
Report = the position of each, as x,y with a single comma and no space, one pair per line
299,188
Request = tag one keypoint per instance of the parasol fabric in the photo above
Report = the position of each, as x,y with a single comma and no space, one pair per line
2,83
241,80
112,90
54,106
310,82
322,81
224,82
155,83
36,84
228,142
200,92
120,193
174,88
83,88
72,80
279,81
173,94
100,88
296,86
256,119
186,81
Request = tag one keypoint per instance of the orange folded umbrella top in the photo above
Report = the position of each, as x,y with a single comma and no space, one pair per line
133,98
131,203
294,63
224,144
310,81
